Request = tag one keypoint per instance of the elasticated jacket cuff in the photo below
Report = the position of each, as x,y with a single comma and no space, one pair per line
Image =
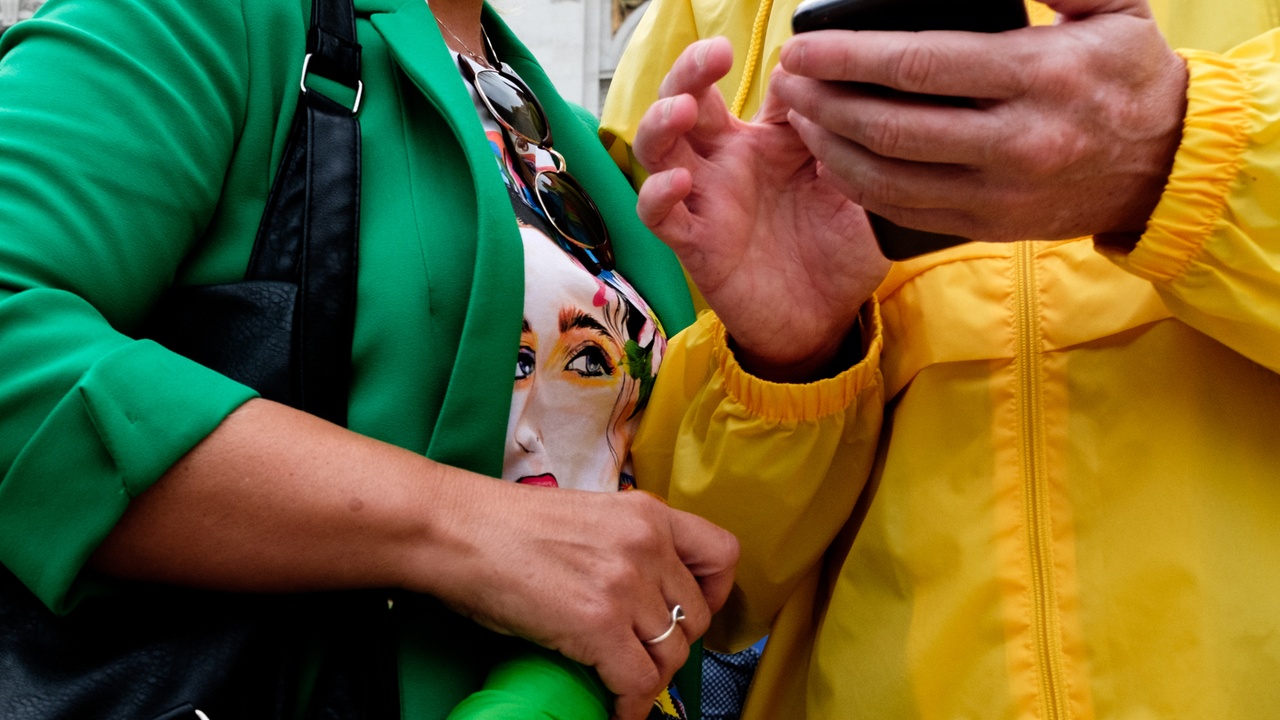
1214,139
808,401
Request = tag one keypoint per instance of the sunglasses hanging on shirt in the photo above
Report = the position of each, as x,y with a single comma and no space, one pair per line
562,200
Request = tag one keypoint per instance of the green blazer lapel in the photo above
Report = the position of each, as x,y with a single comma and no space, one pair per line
369,7
474,412
648,264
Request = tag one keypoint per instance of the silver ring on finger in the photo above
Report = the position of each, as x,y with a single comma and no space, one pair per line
677,614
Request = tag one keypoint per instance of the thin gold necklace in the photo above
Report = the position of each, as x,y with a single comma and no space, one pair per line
480,59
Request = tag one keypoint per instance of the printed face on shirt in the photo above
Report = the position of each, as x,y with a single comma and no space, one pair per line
571,413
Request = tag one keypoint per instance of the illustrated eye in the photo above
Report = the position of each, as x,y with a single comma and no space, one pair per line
591,361
525,362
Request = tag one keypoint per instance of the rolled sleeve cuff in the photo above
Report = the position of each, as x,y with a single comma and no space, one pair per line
134,414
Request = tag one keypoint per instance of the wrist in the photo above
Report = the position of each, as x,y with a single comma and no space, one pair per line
841,352
1169,110
437,538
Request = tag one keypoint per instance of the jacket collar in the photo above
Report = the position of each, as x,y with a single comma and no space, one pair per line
414,39
371,7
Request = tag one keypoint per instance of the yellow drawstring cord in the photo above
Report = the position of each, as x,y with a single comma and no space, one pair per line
753,56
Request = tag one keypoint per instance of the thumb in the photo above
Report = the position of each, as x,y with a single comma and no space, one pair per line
773,109
1080,9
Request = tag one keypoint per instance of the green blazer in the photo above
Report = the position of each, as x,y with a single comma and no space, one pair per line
138,140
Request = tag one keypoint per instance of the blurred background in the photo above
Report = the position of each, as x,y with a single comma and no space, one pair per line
11,11
578,41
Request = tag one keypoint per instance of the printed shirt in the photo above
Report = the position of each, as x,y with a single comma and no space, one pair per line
589,353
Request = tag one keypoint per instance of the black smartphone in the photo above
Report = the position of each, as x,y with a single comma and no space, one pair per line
897,242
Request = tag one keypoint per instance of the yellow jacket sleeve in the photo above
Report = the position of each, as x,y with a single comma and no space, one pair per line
780,466
1212,247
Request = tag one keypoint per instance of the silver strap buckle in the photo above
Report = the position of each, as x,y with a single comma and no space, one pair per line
302,83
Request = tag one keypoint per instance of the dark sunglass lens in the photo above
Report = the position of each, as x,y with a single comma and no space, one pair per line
514,105
573,213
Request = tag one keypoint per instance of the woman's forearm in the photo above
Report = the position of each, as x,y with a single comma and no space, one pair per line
277,500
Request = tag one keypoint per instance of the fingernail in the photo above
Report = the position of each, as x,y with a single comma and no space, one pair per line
792,55
666,108
701,55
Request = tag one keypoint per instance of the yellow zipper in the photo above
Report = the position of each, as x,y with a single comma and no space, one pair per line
1048,636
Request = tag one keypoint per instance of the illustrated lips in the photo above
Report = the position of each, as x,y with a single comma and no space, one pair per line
545,480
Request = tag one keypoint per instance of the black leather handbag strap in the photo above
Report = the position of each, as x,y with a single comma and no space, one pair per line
316,248
332,41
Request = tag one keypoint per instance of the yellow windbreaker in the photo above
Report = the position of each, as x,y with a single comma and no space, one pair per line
1072,507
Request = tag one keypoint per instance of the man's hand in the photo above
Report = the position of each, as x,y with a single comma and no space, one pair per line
783,257
1073,131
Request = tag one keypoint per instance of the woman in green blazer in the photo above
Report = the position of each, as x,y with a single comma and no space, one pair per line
138,140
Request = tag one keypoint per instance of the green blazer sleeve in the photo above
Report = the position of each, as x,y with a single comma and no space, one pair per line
117,126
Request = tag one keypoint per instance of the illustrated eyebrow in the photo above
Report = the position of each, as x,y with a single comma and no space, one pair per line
571,318
526,327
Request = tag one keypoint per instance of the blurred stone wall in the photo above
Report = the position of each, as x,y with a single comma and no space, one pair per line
13,11
578,41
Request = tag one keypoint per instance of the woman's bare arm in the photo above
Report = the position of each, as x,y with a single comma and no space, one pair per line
278,500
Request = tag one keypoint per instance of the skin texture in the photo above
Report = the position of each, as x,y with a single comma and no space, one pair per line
747,210
1073,131
276,500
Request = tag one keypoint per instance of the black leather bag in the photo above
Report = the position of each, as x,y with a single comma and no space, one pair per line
147,653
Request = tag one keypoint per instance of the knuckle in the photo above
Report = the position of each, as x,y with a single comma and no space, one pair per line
647,682
643,528
915,68
618,581
884,134
598,619
648,535
674,658
878,191
1047,154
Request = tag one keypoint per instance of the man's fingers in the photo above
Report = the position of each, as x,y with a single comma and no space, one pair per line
894,126
698,67
661,134
695,73
1079,8
773,109
958,64
924,196
660,206
876,182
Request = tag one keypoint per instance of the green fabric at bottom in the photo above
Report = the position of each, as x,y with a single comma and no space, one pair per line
452,669
537,684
